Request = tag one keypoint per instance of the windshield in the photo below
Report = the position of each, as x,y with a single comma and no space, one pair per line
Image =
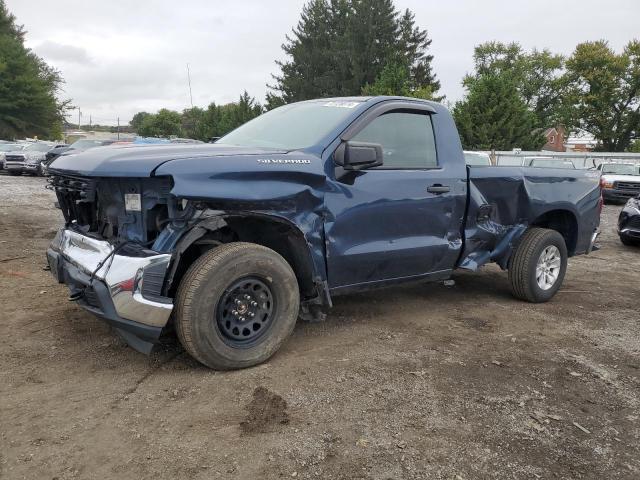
10,147
84,144
551,163
477,159
291,127
620,168
38,147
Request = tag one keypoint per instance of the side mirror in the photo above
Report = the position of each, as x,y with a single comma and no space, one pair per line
358,155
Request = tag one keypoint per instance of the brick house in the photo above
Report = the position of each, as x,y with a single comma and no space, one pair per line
555,137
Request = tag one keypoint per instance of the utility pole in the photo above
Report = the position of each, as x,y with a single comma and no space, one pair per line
189,80
118,128
79,118
89,121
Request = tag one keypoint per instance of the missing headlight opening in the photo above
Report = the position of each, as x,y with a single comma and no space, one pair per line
118,209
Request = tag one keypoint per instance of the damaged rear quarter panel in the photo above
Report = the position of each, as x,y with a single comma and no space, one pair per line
504,201
289,187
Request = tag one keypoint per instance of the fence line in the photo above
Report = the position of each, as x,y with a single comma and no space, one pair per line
579,159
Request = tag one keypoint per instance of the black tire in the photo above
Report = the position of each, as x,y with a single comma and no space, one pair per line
14,173
524,261
201,319
629,242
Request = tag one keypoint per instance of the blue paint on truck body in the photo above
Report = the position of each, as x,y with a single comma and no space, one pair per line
359,229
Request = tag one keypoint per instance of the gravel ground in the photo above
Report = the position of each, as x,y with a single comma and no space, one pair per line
427,381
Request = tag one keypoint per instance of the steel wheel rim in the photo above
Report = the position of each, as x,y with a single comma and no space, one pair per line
548,267
245,312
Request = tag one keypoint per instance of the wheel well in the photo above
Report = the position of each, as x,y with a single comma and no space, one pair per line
562,221
277,235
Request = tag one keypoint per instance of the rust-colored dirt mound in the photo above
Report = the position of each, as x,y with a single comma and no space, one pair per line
265,411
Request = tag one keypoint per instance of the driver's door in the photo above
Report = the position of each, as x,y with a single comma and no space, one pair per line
401,220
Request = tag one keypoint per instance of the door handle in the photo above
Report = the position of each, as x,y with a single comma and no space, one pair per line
437,189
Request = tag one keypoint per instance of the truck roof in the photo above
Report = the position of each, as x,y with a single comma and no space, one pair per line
370,99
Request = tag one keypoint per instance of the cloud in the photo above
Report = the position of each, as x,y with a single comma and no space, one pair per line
58,52
132,55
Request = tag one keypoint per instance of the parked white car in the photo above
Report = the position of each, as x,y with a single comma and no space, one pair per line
29,159
620,181
9,147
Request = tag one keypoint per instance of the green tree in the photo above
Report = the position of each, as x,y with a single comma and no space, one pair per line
494,116
28,87
273,101
634,147
218,120
415,43
605,92
372,40
163,124
232,115
537,75
136,121
396,79
311,72
193,123
340,46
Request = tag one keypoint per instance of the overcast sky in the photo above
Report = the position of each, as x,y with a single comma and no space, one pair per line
119,57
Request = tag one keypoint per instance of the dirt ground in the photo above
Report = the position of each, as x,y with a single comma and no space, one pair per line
428,381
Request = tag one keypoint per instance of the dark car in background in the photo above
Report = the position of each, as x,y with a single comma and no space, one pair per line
77,146
629,223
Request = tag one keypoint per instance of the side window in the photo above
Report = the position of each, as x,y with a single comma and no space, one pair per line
406,138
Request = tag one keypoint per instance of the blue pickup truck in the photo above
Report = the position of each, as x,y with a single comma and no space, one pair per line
230,243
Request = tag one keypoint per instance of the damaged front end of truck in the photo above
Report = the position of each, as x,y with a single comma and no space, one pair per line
127,241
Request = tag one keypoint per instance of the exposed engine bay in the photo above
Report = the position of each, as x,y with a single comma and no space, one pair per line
118,209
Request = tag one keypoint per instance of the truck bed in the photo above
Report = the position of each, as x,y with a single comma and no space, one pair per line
502,201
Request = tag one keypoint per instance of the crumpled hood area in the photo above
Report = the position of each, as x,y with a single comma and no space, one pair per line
143,160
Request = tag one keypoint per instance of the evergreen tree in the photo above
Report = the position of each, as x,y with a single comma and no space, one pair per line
28,87
340,46
311,71
415,43
232,115
395,79
372,41
218,120
494,116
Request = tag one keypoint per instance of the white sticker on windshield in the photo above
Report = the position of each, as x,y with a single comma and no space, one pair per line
341,104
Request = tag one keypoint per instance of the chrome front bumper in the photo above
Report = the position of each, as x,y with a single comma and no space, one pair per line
74,257
22,166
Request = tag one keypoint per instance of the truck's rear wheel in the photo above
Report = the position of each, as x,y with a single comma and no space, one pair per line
538,265
236,305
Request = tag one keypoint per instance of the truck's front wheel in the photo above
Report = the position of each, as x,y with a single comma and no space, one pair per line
538,265
236,305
